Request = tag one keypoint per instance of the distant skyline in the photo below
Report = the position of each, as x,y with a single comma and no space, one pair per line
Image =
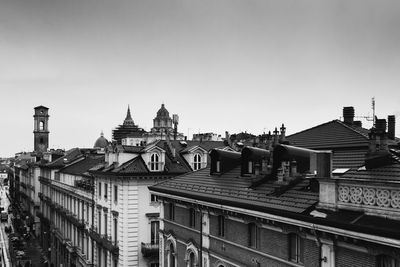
223,65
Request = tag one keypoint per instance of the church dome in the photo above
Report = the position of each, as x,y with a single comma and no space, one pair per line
101,142
162,112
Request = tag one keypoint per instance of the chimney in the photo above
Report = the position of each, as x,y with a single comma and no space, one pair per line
283,136
275,140
391,127
357,123
348,115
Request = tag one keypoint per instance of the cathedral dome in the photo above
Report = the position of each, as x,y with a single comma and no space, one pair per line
162,112
101,142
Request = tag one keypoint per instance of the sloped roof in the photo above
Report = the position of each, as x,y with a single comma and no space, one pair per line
333,134
386,173
135,165
231,188
69,156
82,167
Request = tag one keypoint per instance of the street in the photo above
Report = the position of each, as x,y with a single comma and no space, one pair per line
4,202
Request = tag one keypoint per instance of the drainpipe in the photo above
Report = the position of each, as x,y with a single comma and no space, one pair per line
319,244
201,239
93,206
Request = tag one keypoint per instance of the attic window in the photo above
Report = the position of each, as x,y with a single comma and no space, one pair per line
218,166
154,162
197,162
250,167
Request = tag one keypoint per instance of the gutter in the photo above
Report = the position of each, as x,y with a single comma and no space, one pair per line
290,218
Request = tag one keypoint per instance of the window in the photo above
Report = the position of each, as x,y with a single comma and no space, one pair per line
250,167
99,220
154,162
99,189
99,253
105,223
253,235
196,162
153,198
192,218
218,166
171,255
171,211
387,261
295,248
41,125
192,259
105,190
155,226
115,230
105,258
221,225
115,193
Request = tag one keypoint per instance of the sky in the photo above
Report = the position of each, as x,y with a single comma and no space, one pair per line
226,65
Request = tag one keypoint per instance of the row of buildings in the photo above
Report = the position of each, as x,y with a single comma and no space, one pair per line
326,196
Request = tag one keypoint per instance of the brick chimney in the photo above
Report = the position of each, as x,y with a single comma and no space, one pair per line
391,127
378,154
348,115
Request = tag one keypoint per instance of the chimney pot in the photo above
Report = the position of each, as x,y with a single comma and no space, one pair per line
348,115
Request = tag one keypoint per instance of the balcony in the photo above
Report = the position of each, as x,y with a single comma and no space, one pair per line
150,250
43,219
86,185
110,245
44,180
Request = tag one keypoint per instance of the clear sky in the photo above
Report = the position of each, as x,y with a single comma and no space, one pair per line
226,65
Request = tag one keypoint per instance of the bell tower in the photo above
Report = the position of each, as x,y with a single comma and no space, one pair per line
41,129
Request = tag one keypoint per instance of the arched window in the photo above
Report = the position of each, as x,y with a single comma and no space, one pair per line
154,162
192,255
219,264
171,255
41,125
192,260
197,162
387,261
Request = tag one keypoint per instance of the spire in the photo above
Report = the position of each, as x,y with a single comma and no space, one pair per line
128,120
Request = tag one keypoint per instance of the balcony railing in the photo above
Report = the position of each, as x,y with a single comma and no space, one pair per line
85,185
150,250
44,180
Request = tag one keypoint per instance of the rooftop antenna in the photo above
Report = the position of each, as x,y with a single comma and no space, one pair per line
373,111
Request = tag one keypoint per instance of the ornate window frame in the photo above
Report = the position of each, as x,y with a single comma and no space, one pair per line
171,240
191,249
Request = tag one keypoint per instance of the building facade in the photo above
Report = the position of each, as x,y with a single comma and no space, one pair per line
124,207
282,207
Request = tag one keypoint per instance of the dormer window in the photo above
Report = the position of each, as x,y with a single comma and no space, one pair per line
218,166
250,167
154,162
196,162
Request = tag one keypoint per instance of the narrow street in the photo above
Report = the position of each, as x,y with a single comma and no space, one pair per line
32,252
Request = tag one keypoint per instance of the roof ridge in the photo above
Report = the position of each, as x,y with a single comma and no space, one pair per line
312,128
353,128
